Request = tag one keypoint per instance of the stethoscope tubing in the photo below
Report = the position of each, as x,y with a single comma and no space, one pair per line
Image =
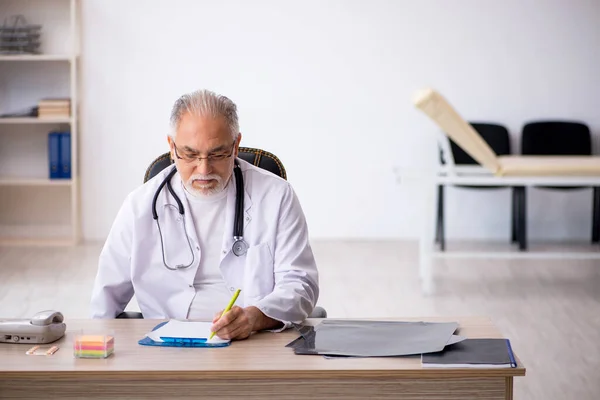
239,246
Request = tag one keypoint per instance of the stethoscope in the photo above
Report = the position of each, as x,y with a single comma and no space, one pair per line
239,246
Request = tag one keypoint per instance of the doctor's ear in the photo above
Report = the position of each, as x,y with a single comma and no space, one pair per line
171,155
237,143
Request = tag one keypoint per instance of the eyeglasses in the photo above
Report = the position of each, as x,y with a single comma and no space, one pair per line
211,158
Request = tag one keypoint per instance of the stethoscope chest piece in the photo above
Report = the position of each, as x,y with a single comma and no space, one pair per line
239,247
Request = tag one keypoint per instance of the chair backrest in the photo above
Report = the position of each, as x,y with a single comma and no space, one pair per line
495,135
260,158
564,138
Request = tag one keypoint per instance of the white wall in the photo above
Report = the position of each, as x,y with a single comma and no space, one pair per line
326,85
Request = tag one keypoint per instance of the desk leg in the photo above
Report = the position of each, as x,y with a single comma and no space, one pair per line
426,243
509,388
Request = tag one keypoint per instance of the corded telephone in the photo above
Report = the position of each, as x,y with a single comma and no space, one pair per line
44,327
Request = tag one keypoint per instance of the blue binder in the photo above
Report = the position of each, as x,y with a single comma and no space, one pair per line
65,155
179,342
59,155
54,170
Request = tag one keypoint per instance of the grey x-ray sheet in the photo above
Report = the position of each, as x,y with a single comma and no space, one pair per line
373,338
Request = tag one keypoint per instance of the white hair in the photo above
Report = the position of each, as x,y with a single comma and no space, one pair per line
206,103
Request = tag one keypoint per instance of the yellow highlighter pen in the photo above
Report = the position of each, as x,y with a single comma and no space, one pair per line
233,299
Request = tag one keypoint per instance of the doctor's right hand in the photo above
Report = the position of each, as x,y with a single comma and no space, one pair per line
237,323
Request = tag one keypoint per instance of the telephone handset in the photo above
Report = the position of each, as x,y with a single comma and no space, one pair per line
44,327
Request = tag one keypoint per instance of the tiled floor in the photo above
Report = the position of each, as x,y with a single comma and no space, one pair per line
549,309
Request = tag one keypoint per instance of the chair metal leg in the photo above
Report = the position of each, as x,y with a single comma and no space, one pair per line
439,232
596,216
522,218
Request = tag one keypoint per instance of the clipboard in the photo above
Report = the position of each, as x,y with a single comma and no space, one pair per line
179,342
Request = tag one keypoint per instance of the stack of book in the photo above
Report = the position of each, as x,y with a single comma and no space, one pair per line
54,108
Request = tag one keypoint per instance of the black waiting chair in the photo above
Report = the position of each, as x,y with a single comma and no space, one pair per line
561,138
498,138
260,158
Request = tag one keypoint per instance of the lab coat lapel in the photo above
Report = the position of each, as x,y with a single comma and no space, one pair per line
247,199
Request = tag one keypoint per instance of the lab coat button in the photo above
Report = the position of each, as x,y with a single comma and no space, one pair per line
232,289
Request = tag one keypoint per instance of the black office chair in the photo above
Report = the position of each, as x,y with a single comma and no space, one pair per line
497,137
260,158
561,138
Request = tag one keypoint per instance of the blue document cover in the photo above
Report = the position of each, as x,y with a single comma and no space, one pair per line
181,341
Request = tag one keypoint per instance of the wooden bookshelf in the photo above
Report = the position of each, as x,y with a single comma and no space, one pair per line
39,210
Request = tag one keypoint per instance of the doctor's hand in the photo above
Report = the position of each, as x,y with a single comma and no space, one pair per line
239,323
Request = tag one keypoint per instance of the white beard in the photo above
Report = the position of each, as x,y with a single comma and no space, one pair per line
204,190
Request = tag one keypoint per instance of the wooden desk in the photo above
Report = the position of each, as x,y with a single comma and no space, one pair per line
257,368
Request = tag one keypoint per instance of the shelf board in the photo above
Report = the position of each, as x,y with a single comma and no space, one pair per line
35,57
13,181
31,242
36,120
36,235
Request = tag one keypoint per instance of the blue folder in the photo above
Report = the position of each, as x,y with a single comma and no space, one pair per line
65,155
54,170
59,155
179,342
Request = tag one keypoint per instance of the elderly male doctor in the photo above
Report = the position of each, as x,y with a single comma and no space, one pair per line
186,269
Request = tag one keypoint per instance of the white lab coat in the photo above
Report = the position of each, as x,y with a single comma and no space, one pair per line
278,273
